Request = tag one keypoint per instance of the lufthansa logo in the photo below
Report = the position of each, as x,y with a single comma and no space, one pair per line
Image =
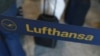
8,25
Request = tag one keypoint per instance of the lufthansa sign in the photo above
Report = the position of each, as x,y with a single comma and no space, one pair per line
50,30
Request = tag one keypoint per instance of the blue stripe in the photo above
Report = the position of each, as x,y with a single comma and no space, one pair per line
21,29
